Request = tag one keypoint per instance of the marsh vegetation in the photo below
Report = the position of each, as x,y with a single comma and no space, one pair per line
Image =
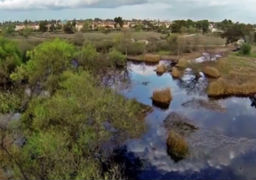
60,118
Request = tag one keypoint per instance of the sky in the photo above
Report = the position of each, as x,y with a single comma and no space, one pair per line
214,10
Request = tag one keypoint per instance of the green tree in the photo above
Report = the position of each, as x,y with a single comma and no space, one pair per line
177,26
68,28
203,25
43,26
224,25
52,28
10,58
46,62
237,31
119,20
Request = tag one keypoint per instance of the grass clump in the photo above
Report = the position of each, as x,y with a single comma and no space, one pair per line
177,146
161,69
176,73
223,87
162,97
151,58
211,72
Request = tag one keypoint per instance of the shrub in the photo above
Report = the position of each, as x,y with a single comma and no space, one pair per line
26,32
68,28
46,62
136,48
124,44
8,30
43,26
103,45
66,131
245,49
10,58
173,43
117,58
78,39
9,102
87,56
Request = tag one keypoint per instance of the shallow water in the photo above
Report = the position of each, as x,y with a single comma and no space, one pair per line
224,147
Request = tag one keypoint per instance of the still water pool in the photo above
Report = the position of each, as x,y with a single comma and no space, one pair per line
224,147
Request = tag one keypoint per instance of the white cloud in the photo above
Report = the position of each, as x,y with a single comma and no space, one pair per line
52,4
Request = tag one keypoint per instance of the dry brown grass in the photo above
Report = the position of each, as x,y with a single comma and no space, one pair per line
176,73
177,146
223,87
161,69
162,96
211,72
152,58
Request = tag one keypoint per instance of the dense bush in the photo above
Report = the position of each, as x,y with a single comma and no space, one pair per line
68,28
103,45
46,62
8,29
64,133
26,32
9,102
87,56
132,48
158,45
10,58
173,43
117,58
245,49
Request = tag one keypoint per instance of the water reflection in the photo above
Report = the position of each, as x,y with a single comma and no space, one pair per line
253,100
226,128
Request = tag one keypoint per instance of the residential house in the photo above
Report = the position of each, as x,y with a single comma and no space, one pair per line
79,26
20,27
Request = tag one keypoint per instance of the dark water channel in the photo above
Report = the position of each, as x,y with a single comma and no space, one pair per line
224,146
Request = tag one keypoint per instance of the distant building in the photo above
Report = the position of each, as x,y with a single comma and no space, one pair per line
79,26
20,27
126,25
214,29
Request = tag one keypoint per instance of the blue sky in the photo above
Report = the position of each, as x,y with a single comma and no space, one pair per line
216,10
